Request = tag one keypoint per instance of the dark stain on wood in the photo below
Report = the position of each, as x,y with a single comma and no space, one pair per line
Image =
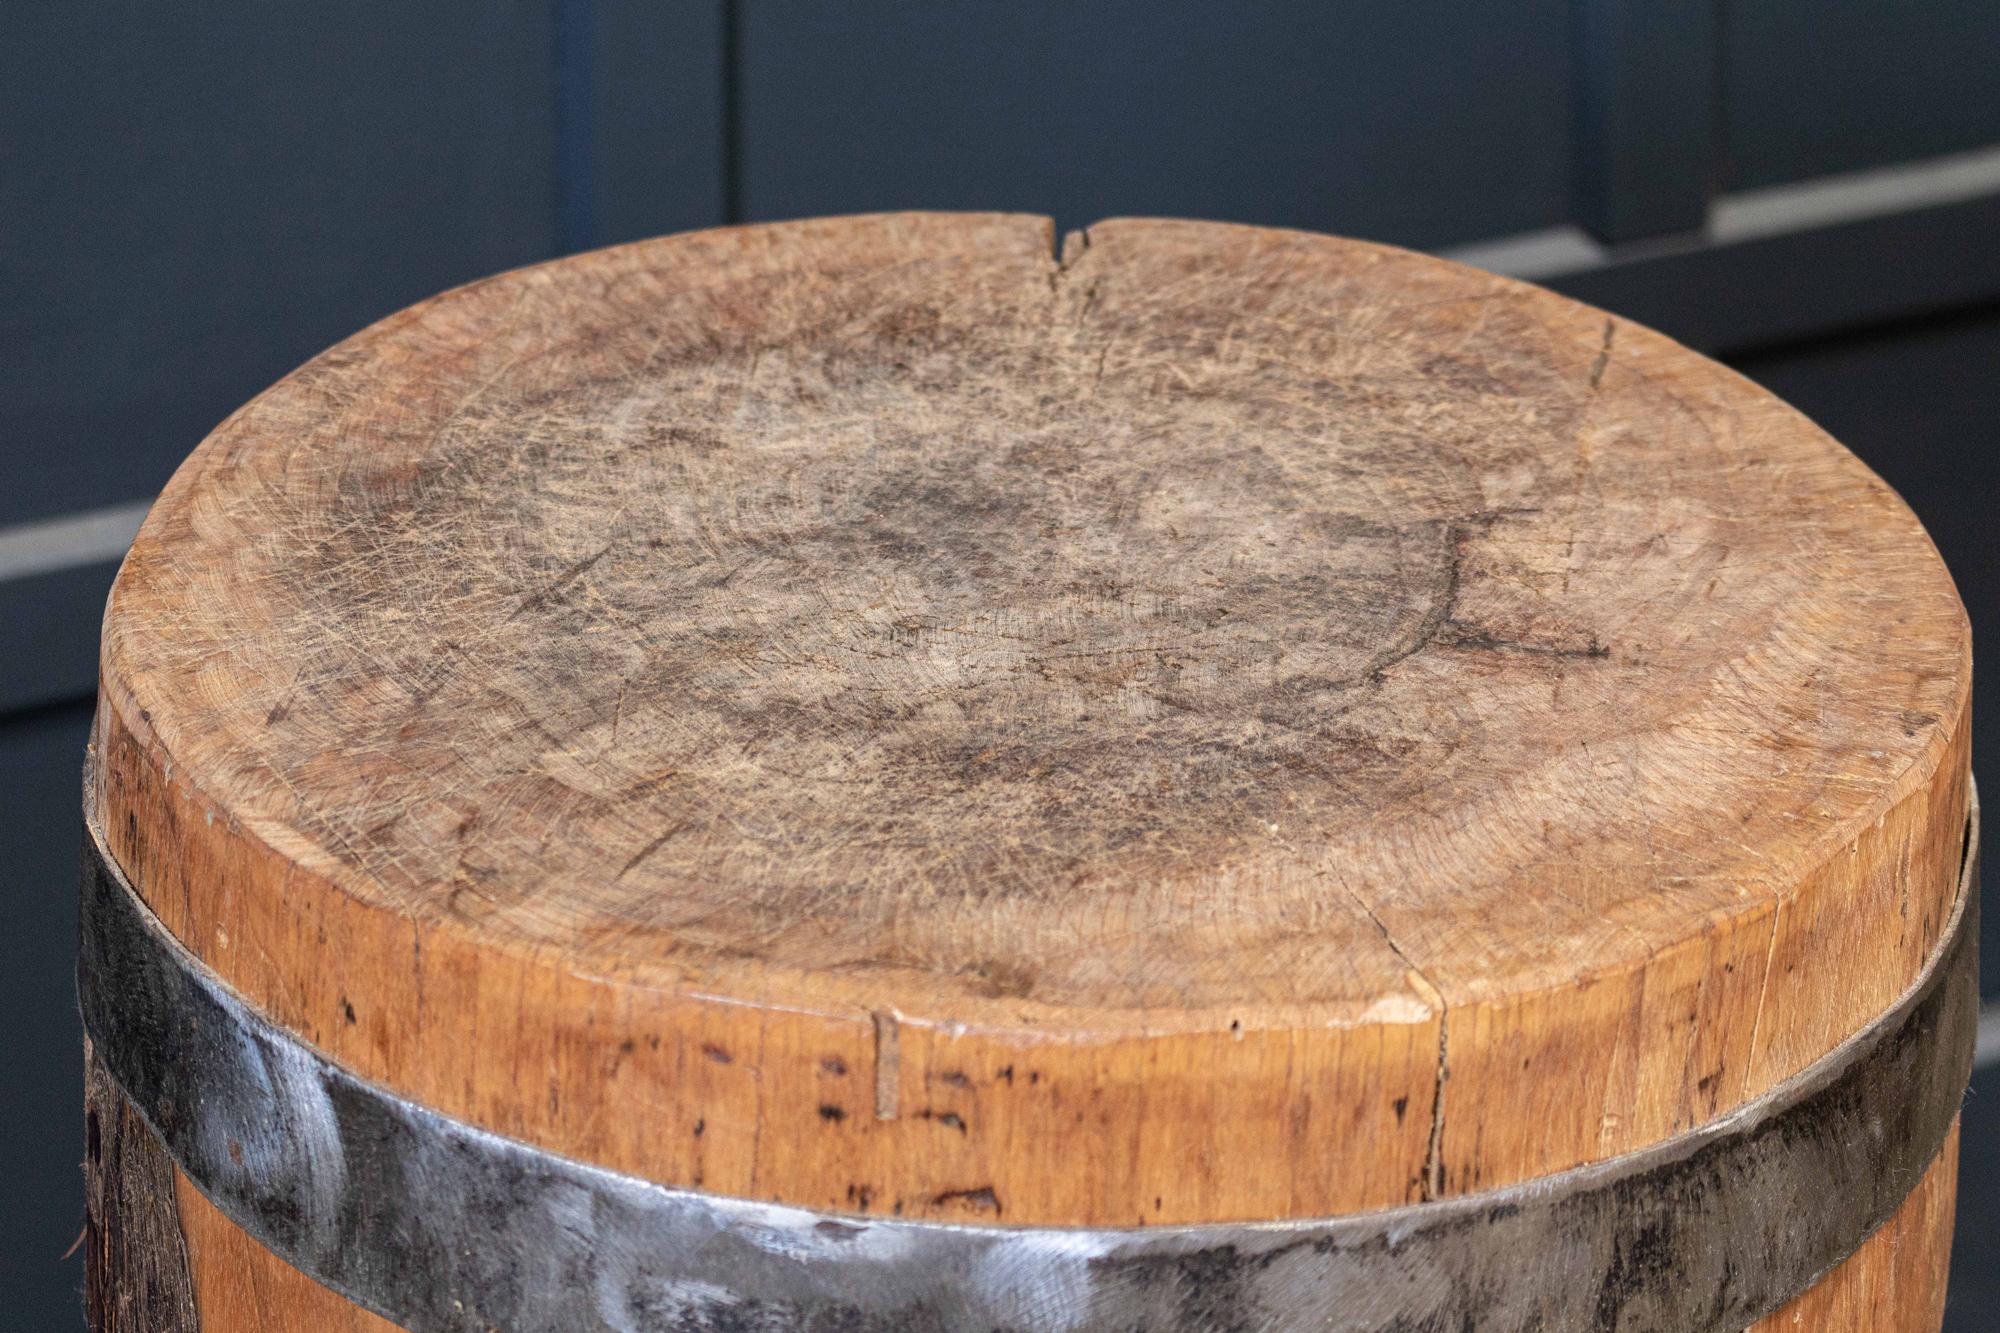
980,1200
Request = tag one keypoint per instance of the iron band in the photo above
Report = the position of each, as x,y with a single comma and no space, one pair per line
439,1225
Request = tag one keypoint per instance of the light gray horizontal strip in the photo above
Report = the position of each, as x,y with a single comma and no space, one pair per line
1854,196
1780,210
1533,255
1987,1053
93,537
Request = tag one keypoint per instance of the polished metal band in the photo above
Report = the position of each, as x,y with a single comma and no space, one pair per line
439,1225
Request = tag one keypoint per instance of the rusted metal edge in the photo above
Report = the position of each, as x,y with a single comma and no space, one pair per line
439,1225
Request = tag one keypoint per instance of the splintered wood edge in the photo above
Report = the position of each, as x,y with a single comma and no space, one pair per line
982,1107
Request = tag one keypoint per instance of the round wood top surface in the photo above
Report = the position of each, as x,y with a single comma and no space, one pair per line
1209,627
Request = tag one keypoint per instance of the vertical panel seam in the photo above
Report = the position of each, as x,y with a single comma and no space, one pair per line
732,112
575,175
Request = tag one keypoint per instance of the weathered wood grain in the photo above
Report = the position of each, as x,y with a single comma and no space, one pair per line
241,1287
866,713
136,1272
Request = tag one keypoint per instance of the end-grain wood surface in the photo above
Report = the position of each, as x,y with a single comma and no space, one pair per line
874,713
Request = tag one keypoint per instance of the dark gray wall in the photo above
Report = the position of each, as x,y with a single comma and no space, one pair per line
1818,86
195,199
41,1115
1420,123
194,205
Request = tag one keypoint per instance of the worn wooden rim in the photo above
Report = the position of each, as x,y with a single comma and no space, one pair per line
440,1225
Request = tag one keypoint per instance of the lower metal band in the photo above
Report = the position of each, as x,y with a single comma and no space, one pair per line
439,1225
